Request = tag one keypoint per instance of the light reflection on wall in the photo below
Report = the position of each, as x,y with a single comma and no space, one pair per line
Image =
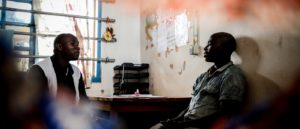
283,14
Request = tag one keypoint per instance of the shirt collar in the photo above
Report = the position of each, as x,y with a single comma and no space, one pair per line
60,70
224,66
221,69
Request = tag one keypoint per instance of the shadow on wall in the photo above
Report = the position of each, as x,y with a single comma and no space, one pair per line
260,87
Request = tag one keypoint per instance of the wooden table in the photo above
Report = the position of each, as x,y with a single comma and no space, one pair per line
141,104
145,106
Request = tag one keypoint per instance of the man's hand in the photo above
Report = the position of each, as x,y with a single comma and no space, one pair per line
169,124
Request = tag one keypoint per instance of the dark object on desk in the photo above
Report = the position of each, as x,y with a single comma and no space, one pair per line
129,77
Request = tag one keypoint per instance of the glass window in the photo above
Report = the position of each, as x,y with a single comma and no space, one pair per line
22,17
22,63
18,28
21,40
48,24
14,16
45,46
18,5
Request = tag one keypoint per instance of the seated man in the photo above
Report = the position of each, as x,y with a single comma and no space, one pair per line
218,92
57,91
56,75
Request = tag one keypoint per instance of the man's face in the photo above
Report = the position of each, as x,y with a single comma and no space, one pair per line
70,48
213,51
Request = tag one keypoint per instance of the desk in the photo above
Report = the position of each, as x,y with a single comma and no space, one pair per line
142,109
141,104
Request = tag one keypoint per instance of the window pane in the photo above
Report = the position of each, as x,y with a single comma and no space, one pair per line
22,63
18,5
77,7
12,16
21,40
54,24
45,46
18,28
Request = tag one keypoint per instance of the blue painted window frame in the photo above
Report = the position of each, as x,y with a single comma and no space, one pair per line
97,78
32,48
32,43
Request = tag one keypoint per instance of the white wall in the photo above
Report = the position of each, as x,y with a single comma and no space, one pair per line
127,47
268,46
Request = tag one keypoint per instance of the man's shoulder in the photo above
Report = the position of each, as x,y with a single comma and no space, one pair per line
234,69
35,67
35,70
235,72
39,65
74,67
43,62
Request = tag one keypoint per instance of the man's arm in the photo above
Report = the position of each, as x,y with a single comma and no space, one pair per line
37,79
82,92
181,115
228,109
176,119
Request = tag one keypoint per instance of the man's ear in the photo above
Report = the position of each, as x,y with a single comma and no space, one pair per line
58,46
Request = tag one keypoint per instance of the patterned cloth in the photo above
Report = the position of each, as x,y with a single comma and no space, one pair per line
226,83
